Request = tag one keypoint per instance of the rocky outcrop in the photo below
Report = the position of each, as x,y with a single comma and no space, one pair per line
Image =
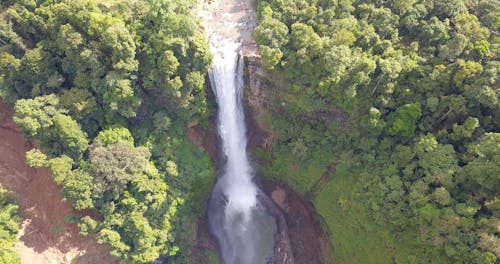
232,20
259,98
300,238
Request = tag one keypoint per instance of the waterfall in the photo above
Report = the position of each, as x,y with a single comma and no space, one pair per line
244,230
226,78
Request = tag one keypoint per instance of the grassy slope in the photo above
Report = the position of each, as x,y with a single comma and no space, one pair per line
356,237
288,169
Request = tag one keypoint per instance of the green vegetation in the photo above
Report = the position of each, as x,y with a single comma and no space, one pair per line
403,97
106,88
9,226
213,258
353,229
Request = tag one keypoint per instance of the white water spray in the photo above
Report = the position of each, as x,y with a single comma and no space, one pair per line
243,228
227,81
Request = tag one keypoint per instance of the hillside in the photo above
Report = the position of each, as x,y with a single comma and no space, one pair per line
402,98
378,120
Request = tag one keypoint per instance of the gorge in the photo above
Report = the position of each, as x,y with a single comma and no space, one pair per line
333,131
244,229
249,226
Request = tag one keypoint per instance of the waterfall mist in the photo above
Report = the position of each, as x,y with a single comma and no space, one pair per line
240,223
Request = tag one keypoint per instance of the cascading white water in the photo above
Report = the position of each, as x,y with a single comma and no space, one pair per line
227,81
243,228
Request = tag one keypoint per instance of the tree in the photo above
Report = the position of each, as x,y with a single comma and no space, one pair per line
403,121
494,205
118,94
120,42
70,40
60,167
465,131
490,243
113,238
9,226
484,165
376,61
442,196
466,71
115,165
87,225
142,237
336,60
168,63
270,56
162,121
439,162
482,89
36,158
80,68
9,65
36,115
453,47
72,139
116,134
172,168
469,26
79,102
445,8
272,35
78,187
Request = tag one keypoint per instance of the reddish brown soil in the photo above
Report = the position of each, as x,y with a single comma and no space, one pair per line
205,139
45,237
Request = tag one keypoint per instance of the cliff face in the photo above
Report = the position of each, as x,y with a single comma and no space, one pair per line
259,98
300,238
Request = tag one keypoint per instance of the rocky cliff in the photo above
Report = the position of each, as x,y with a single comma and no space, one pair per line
300,238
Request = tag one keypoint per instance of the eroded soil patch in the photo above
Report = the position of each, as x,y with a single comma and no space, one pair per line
45,238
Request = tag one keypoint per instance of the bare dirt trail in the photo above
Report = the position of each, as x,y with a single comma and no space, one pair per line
45,237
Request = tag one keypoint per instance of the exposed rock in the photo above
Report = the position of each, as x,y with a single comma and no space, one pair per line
300,238
279,196
283,253
304,233
229,20
206,139
259,95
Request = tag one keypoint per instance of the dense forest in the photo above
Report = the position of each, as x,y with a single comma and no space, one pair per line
403,98
106,89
